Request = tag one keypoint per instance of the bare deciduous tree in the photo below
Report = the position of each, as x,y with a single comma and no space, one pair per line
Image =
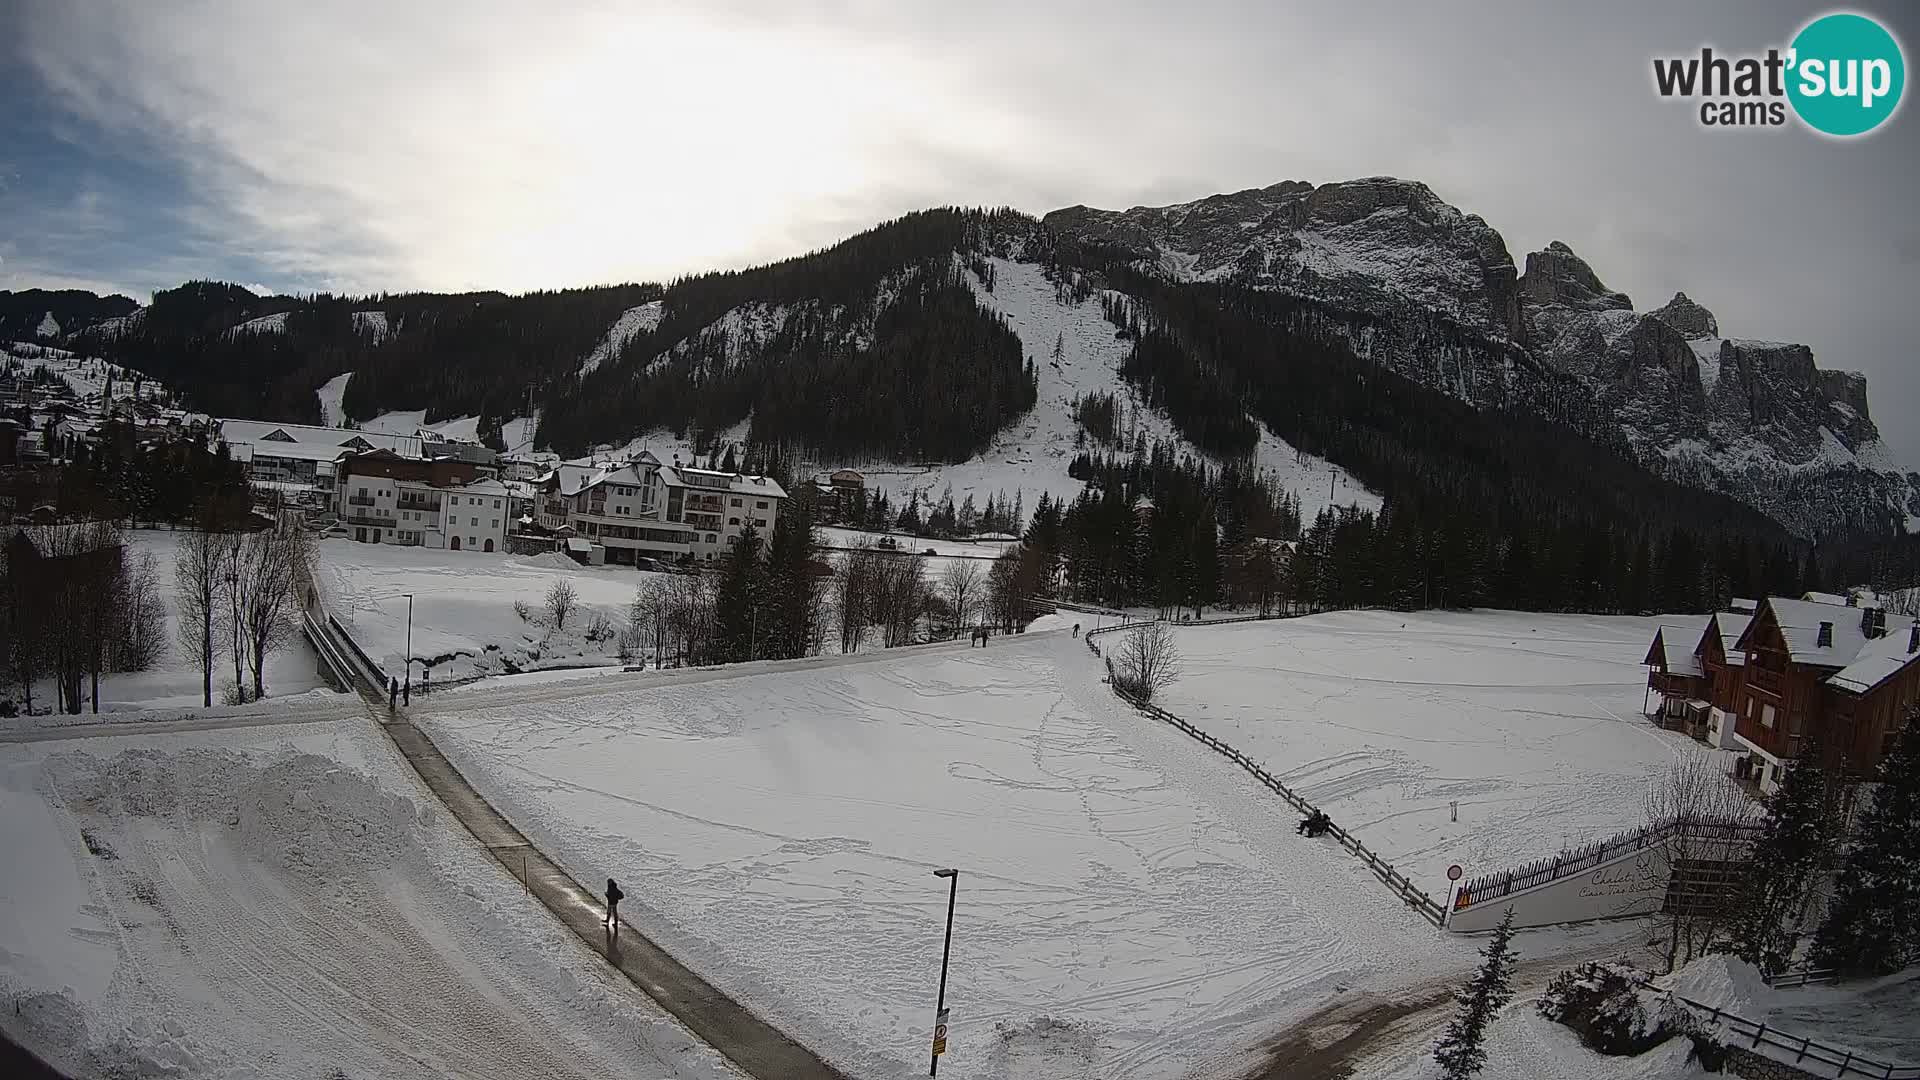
266,601
197,583
143,616
961,584
900,598
1147,661
854,595
561,601
1700,804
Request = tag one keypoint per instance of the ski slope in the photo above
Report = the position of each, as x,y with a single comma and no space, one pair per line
1128,905
1531,723
1031,455
280,902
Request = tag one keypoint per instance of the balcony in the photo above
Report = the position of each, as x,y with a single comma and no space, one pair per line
431,507
360,500
1766,680
362,517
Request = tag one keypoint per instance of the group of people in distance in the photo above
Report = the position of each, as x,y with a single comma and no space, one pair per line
1315,824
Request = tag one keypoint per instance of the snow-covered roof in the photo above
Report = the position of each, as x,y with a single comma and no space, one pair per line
1800,622
573,479
482,486
1877,661
281,435
1854,598
1677,644
293,451
1741,603
580,544
763,487
1731,627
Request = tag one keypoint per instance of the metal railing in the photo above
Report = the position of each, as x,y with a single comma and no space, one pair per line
1574,861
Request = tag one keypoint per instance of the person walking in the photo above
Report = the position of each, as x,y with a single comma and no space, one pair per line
614,896
393,691
1076,630
406,690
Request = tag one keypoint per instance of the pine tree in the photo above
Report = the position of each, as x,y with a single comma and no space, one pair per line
1462,1050
1873,925
1794,843
736,616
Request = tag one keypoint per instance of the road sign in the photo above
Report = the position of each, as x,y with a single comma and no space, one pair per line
940,1034
1453,872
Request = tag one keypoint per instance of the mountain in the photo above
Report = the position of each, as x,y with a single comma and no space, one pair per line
967,348
42,315
1757,420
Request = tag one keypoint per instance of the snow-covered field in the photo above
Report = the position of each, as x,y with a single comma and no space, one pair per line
175,682
287,902
1531,723
780,826
463,617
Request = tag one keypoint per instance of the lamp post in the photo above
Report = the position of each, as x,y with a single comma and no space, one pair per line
409,680
946,951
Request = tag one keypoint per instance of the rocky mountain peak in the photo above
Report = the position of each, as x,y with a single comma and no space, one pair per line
1558,276
1690,319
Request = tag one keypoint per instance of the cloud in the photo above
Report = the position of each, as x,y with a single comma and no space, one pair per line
362,146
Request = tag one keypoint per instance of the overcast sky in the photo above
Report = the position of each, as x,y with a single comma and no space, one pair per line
366,146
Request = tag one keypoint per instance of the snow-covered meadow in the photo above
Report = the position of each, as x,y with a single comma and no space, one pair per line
464,622
1128,905
287,901
1532,724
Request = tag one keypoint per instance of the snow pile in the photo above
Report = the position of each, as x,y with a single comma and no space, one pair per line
1724,982
267,902
632,322
312,817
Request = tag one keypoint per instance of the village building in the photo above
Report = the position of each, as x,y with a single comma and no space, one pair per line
386,498
643,510
1825,670
297,463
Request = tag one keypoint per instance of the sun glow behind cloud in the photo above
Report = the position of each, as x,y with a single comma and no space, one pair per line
465,149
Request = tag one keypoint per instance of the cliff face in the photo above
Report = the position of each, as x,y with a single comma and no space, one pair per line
1759,420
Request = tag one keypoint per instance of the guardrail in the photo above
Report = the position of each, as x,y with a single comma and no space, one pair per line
1845,1062
1412,895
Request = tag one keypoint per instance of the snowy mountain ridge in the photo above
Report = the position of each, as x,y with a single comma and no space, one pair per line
1757,420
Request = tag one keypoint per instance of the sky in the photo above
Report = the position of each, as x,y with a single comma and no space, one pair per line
379,146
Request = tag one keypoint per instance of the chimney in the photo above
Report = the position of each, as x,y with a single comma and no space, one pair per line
1853,599
1873,623
1825,640
1913,638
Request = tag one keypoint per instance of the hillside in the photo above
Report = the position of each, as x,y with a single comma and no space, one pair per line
964,348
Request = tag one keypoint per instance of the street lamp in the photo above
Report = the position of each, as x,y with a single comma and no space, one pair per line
409,680
940,1007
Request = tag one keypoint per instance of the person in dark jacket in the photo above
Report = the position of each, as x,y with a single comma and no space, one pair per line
1315,824
393,691
614,896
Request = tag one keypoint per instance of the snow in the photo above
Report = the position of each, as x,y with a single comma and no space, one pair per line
1873,1017
372,323
49,326
275,323
1031,454
330,394
1523,1045
288,902
631,324
86,375
1707,352
517,433
463,618
780,822
175,682
1530,722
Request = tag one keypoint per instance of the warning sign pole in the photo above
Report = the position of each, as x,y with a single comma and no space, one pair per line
946,951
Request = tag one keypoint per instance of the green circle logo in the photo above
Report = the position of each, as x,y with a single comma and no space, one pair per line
1846,74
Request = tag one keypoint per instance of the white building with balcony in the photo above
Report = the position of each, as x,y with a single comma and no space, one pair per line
645,510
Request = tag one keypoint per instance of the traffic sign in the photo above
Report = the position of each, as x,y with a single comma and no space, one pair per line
1453,872
940,1034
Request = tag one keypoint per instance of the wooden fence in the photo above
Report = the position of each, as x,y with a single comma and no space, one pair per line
1396,882
1804,1050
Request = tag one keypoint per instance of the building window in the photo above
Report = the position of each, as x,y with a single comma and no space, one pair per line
712,539
496,524
496,504
736,502
762,522
733,521
1766,716
475,522
761,505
